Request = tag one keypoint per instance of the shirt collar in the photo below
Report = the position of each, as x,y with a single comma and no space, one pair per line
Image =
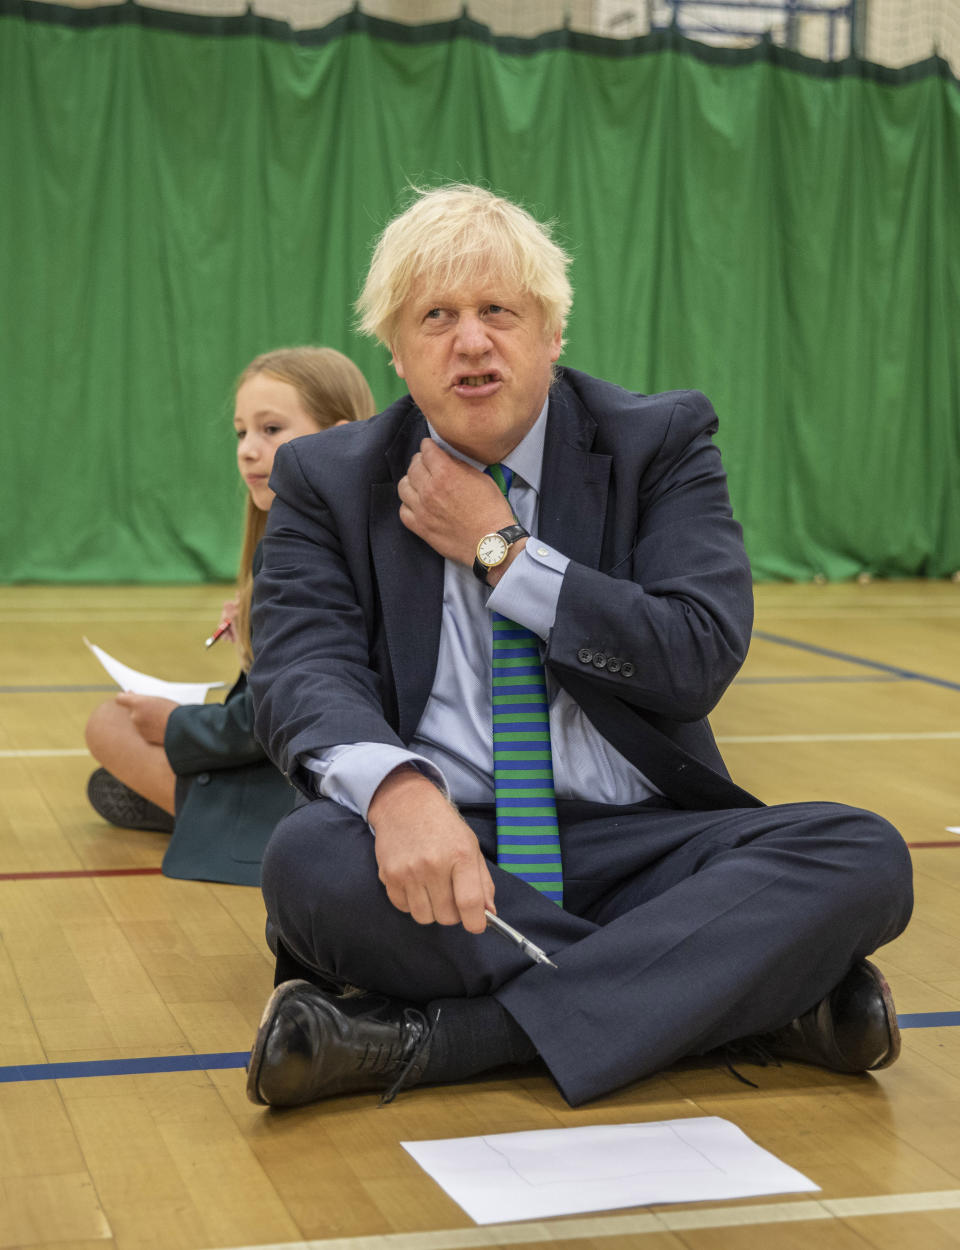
526,459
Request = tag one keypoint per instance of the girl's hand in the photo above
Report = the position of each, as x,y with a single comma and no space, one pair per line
149,714
227,613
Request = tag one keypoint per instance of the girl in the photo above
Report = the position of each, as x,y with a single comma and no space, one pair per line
197,770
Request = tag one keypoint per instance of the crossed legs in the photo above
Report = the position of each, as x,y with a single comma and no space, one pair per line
680,931
117,745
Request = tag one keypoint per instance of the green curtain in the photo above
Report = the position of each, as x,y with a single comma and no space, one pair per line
182,193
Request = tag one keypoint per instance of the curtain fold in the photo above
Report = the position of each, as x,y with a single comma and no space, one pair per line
780,237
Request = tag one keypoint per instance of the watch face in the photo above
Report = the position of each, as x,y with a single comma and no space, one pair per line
492,550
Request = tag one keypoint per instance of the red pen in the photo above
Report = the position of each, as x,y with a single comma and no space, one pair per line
217,633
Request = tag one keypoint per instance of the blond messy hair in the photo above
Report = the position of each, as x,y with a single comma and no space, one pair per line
452,236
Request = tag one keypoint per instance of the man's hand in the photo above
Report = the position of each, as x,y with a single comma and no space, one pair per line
449,504
149,714
429,858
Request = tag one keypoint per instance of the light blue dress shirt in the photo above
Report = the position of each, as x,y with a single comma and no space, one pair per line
453,742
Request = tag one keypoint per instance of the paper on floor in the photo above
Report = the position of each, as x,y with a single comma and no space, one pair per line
532,1175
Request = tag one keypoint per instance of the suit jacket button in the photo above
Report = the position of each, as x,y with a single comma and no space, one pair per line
203,779
599,660
584,655
627,669
613,664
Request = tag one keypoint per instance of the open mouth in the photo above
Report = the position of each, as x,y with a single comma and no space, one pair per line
477,379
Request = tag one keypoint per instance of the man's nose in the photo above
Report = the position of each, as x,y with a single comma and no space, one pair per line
472,336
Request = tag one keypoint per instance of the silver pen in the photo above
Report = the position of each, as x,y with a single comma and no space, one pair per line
535,953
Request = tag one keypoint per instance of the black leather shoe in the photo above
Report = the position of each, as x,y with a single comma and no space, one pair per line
312,1044
122,806
853,1029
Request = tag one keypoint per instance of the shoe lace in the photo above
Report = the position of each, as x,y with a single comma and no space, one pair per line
425,1028
747,1050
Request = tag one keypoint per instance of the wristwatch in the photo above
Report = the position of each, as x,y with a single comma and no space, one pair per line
492,548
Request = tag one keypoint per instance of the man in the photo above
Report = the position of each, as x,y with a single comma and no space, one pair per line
417,569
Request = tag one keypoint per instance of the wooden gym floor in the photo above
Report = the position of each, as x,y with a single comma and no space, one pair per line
129,1001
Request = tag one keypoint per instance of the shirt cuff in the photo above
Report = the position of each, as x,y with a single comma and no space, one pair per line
350,774
529,590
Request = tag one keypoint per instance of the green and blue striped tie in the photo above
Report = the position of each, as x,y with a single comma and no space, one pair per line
528,839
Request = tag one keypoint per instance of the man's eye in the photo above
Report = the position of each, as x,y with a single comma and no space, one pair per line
434,314
495,308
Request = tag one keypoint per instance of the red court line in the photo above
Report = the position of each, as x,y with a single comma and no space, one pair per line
80,872
154,872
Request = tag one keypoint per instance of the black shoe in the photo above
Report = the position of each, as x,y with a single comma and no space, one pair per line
311,1044
853,1029
117,803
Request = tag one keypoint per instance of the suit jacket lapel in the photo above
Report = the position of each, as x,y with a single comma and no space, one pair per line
408,573
572,472
402,561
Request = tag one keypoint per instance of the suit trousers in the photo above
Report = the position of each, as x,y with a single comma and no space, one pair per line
680,930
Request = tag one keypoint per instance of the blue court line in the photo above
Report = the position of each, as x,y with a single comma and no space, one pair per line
238,1058
929,1019
123,1067
772,681
905,674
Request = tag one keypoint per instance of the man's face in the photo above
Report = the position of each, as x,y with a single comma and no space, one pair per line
477,361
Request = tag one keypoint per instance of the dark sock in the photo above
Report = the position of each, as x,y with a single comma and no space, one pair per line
473,1035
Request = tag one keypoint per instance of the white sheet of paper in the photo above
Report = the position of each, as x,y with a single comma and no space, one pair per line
533,1175
141,683
953,828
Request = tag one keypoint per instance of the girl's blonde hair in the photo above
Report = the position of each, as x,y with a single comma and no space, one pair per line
452,236
331,389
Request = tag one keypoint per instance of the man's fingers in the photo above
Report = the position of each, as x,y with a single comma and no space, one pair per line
408,893
428,858
445,910
420,905
396,894
447,900
449,504
416,475
427,899
405,491
469,894
431,454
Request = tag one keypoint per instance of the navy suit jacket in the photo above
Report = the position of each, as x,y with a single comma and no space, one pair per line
347,605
